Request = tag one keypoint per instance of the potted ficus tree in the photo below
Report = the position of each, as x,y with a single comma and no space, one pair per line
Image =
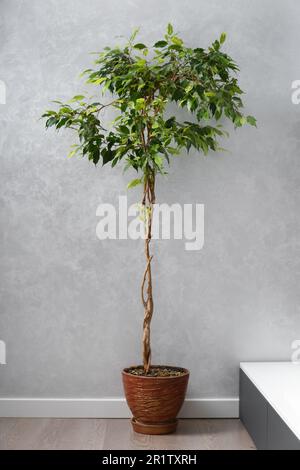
143,82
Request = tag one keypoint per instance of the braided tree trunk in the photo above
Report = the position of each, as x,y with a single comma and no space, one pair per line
146,288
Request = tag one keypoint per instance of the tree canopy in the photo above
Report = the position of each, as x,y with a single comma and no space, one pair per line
142,82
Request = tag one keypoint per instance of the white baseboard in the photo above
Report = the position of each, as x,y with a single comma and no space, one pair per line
109,408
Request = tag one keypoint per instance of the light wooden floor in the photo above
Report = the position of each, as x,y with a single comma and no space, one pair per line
50,433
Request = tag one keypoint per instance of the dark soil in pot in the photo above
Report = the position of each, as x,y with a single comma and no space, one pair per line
160,371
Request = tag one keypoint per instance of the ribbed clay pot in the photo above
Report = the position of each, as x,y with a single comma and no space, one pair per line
155,401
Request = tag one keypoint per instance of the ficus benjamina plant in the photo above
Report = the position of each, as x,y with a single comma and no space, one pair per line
142,81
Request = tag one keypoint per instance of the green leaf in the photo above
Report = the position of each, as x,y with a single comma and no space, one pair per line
98,81
158,160
124,129
239,121
140,103
210,93
66,109
72,153
251,120
134,34
62,122
160,44
51,121
175,47
78,98
173,150
216,45
170,122
189,87
177,41
139,45
114,162
134,183
107,155
170,29
141,63
105,87
85,72
49,113
96,155
222,38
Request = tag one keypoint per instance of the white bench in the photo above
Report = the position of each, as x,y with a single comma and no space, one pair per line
270,403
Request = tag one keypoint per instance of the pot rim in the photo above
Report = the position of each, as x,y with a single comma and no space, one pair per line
185,371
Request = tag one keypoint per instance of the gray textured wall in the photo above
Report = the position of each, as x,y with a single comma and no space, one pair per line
70,311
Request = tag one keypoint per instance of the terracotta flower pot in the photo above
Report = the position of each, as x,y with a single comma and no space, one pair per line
155,401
